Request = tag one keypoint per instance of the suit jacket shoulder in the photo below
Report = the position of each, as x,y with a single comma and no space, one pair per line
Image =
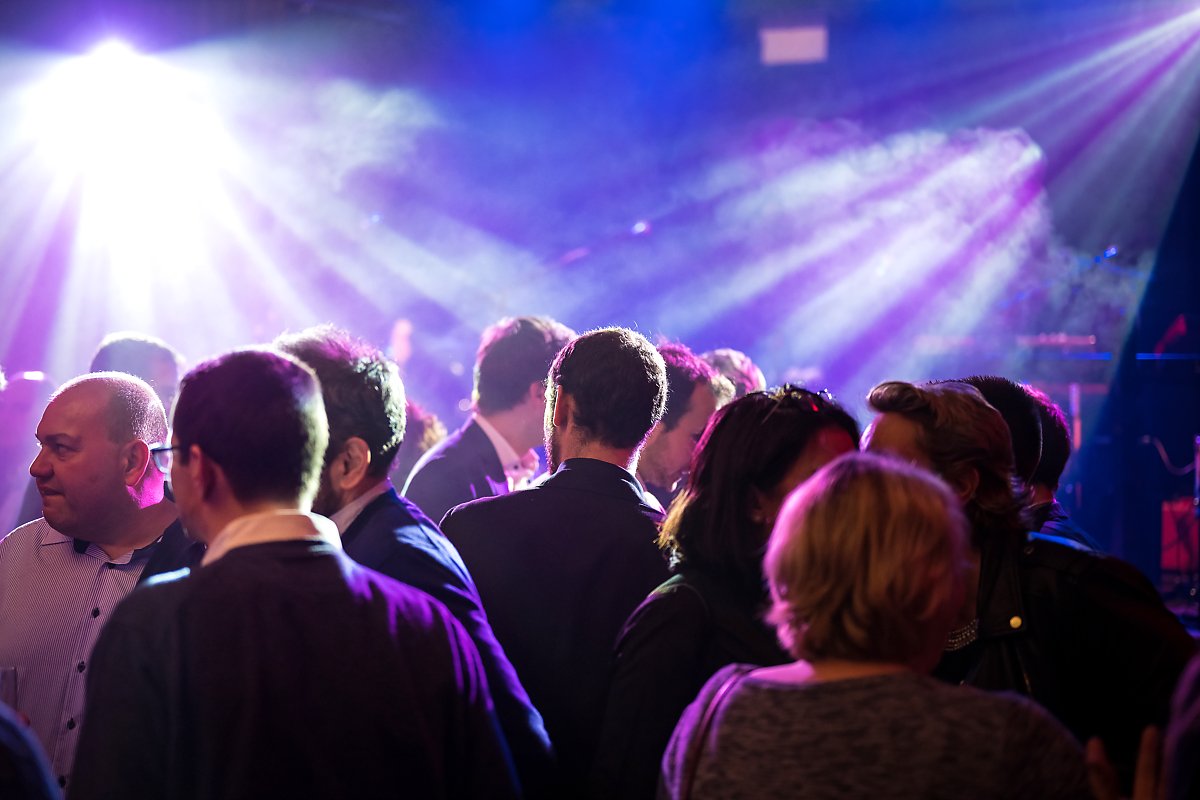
462,467
394,537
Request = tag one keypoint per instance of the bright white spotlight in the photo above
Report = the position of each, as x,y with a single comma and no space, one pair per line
140,139
116,106
112,51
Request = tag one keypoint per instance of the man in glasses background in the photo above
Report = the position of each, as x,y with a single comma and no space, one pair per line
279,668
104,520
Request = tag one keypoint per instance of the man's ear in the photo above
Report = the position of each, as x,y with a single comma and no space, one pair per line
202,472
562,409
350,466
135,460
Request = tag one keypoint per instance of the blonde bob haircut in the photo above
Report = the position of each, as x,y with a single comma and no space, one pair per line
866,564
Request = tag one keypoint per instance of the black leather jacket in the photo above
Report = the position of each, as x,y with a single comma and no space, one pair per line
1083,634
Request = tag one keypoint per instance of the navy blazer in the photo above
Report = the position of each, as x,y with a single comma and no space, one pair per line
392,536
462,467
560,567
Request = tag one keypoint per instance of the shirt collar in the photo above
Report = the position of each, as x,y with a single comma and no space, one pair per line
84,547
517,468
344,517
272,526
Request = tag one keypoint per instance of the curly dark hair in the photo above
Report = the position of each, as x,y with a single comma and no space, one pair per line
363,393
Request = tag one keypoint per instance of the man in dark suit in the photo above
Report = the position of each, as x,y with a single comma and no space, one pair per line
561,566
494,452
364,401
279,668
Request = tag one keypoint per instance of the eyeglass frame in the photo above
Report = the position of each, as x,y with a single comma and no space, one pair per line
158,448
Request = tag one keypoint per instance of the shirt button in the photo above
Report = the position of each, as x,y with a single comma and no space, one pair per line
80,666
95,613
62,781
1015,623
71,724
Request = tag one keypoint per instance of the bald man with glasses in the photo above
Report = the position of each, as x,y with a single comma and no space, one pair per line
106,524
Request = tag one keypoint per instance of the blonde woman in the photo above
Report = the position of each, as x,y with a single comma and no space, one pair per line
866,570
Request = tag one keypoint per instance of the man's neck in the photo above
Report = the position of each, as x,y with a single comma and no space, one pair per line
626,459
139,529
511,425
218,515
354,502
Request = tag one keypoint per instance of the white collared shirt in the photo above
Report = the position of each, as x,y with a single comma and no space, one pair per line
54,601
518,469
344,517
284,525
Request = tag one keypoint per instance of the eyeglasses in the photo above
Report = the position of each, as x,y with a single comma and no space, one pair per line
162,455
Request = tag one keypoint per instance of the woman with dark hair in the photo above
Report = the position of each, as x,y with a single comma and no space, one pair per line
709,614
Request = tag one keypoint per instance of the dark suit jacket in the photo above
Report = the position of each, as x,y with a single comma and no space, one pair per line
393,537
284,669
560,567
462,467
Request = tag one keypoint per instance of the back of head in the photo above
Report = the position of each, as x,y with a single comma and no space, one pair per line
514,353
748,447
866,564
738,369
617,382
1020,415
1056,440
131,409
361,388
258,415
686,371
147,357
962,435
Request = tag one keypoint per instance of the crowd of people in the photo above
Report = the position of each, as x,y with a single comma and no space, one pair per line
277,576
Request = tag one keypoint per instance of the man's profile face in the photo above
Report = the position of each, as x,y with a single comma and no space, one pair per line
897,436
79,471
668,457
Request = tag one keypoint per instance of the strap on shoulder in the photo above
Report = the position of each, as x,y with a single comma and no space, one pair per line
701,737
